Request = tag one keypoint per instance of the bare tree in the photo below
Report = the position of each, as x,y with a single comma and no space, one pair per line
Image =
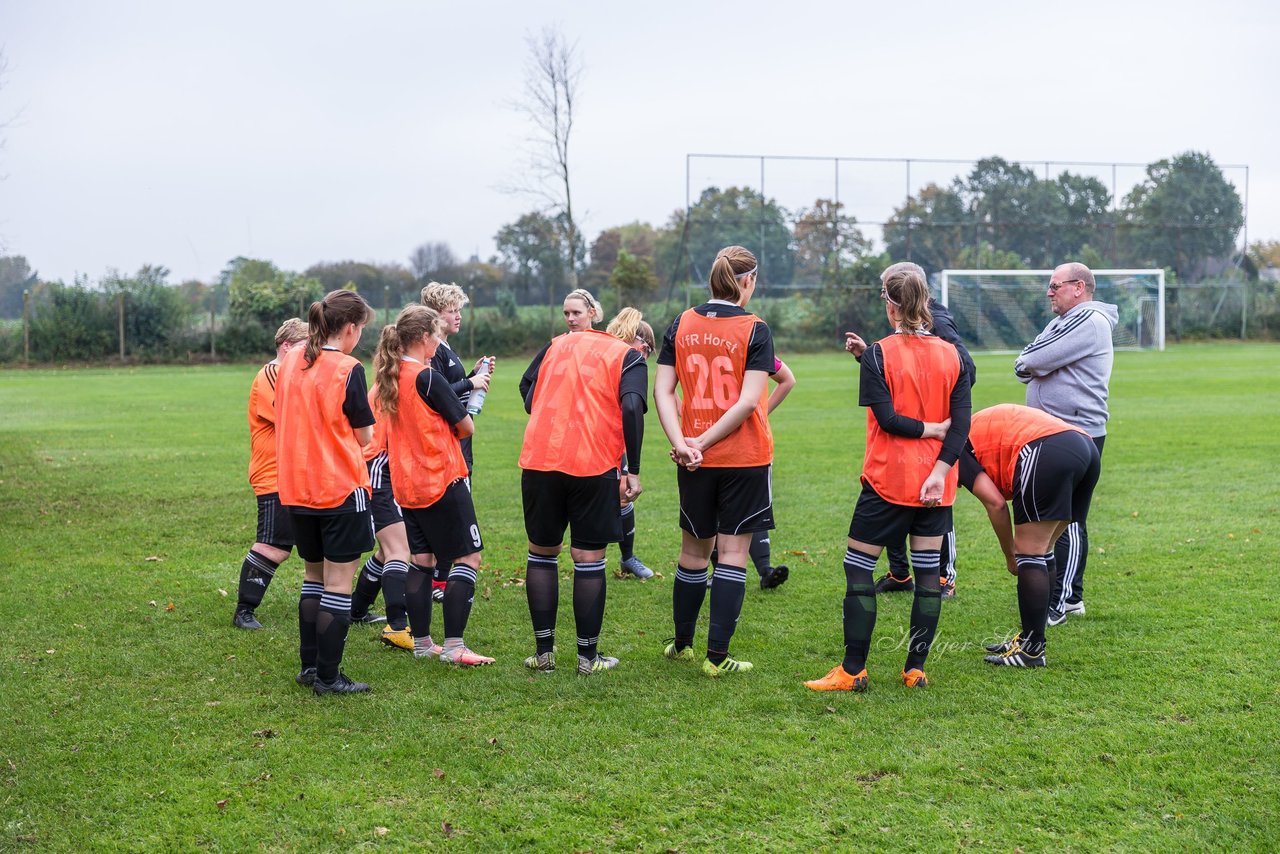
433,259
553,71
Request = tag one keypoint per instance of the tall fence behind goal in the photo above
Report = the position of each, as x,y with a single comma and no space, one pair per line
1005,309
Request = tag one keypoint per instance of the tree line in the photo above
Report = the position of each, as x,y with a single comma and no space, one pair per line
1184,217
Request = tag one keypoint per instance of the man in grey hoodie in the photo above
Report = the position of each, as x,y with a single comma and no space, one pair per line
1067,369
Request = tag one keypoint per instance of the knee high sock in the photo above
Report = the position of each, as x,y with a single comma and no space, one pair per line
949,556
1069,552
728,586
368,583
760,552
308,608
255,575
332,622
859,609
459,593
394,578
542,589
687,594
417,600
899,567
1033,601
440,576
627,544
588,604
925,608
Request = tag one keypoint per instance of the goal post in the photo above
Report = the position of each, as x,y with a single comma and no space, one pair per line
1006,309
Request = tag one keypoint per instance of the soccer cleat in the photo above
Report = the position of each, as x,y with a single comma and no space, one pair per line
775,577
427,649
593,666
1015,656
463,657
839,680
1004,646
682,654
1076,608
889,584
1056,618
307,677
729,665
244,619
542,662
399,638
948,588
915,678
633,566
368,618
437,590
341,685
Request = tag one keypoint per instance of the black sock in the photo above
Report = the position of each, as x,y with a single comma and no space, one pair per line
308,607
899,567
760,552
417,600
331,634
627,544
542,589
255,575
925,608
687,595
588,604
728,586
394,576
459,593
859,609
1033,601
368,583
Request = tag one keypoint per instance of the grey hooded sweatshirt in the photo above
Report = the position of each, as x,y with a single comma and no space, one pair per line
1068,366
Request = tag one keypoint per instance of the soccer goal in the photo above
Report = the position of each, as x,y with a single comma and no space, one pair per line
1005,309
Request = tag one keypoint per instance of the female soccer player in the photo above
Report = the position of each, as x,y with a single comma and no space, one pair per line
720,355
447,301
629,327
581,310
1047,468
275,534
387,568
322,422
908,475
585,394
425,420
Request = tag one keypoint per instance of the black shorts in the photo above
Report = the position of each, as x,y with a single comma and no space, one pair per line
1054,478
274,526
587,506
725,500
336,537
446,529
882,523
386,512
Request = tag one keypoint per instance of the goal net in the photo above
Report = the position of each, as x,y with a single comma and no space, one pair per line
1006,309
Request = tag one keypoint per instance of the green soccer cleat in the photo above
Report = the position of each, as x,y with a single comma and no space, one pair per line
682,654
595,666
543,662
729,665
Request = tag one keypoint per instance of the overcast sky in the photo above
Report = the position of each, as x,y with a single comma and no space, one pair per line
185,134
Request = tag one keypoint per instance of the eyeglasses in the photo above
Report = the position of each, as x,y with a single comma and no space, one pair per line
1055,286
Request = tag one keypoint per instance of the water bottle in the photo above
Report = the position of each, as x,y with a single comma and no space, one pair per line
476,401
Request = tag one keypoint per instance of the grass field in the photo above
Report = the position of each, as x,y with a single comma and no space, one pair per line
135,717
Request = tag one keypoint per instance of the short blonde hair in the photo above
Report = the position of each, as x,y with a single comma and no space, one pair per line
291,331
442,297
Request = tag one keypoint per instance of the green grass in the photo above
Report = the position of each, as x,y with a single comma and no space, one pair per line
128,724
